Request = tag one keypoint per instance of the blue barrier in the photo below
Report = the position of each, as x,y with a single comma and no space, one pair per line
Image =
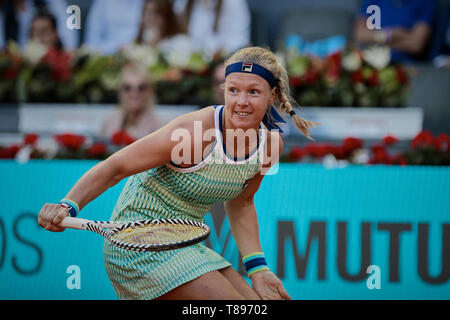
380,232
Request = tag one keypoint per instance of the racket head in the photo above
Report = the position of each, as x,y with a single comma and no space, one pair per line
157,234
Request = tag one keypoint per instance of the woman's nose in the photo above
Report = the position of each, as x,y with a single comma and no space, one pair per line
243,99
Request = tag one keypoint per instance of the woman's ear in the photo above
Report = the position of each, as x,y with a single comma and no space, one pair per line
273,97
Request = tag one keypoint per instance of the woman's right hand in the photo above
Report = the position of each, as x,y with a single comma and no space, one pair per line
51,216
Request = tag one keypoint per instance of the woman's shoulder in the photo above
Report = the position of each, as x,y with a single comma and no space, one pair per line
204,115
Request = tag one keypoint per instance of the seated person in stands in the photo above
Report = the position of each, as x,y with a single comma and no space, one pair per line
112,24
161,29
215,25
16,17
44,30
135,112
406,27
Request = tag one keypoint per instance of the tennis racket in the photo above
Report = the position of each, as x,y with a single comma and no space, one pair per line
145,235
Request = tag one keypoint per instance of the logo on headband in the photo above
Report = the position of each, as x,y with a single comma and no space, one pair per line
247,66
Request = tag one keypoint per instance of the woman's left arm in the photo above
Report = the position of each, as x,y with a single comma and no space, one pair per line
243,219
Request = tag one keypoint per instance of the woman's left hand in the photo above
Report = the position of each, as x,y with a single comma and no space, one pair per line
268,286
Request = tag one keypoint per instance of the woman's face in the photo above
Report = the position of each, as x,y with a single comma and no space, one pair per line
247,97
151,19
43,32
135,92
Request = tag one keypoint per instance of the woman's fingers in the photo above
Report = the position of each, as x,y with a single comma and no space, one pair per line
59,217
283,293
54,228
51,216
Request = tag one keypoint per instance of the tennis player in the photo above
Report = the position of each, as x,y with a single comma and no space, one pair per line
163,186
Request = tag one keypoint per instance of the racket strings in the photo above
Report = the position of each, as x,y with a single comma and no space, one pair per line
157,234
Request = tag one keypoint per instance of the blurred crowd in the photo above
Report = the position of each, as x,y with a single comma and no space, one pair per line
206,25
412,28
415,30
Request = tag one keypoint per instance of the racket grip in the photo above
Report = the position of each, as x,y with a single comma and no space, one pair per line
74,223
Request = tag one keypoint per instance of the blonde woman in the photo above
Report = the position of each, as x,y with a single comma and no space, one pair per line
135,113
160,186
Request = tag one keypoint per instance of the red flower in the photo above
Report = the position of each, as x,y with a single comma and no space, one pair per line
9,73
401,75
317,150
422,138
442,142
30,138
310,77
297,153
187,72
377,148
357,76
9,152
373,79
380,155
295,81
339,152
399,159
97,149
59,62
122,138
350,144
389,140
333,66
70,141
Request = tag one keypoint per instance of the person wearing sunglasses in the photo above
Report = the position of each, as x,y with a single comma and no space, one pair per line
135,113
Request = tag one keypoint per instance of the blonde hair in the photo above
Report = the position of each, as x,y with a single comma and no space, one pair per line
137,69
283,101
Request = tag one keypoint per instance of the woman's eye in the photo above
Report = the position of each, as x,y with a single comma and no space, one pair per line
232,90
254,91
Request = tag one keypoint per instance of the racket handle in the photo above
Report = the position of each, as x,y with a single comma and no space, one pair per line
74,223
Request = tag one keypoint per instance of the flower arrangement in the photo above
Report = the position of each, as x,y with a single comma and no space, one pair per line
68,146
350,77
424,149
83,76
10,66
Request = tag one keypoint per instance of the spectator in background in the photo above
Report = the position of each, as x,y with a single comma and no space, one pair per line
135,112
216,25
160,28
16,17
218,83
112,24
406,27
442,58
44,30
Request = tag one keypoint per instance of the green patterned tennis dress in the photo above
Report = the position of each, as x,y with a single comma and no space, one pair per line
169,191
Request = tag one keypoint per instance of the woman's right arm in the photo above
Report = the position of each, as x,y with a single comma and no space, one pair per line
148,152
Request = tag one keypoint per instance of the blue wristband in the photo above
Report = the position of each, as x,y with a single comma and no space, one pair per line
254,262
72,206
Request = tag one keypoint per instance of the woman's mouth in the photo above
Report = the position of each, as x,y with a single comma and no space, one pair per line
242,114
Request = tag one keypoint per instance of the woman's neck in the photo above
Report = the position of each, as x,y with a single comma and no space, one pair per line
238,137
131,119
